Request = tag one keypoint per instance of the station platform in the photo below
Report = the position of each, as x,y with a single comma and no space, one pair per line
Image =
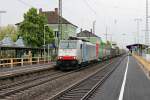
128,82
8,71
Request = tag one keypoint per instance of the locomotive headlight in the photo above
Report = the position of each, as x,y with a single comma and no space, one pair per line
59,57
74,57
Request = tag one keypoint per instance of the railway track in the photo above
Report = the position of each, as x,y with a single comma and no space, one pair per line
17,87
27,80
7,90
85,88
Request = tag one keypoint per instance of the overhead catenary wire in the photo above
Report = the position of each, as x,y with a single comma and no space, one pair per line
26,4
89,6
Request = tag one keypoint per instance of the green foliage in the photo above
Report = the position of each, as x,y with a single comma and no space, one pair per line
32,29
10,31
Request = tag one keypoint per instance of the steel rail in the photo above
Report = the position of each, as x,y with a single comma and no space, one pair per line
16,88
82,89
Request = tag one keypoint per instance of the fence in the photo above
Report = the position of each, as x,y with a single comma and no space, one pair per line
11,62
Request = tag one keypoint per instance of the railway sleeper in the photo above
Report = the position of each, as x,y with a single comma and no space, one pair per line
70,98
77,92
80,89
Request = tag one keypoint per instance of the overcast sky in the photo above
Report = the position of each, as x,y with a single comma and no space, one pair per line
118,15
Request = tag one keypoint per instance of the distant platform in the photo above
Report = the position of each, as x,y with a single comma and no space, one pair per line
10,72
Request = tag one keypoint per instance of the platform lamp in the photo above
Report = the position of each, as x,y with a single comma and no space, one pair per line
124,34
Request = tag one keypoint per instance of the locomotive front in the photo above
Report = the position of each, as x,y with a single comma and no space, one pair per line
67,54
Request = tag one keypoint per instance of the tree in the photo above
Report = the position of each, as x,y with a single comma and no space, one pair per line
10,31
32,29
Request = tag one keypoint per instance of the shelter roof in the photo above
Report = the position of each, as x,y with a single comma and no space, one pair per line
143,46
20,42
7,41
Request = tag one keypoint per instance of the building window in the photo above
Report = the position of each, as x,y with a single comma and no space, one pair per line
56,33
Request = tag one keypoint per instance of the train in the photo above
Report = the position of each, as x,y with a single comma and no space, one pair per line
76,52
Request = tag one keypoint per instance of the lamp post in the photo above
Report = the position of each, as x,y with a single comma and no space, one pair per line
138,27
44,42
123,42
1,12
94,22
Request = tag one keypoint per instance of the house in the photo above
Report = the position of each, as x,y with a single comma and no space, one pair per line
68,29
89,36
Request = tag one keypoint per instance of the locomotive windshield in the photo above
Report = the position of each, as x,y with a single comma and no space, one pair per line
68,45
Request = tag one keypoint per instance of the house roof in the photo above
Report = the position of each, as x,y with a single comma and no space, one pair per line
86,33
53,17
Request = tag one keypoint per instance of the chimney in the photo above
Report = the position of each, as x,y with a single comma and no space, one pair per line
40,10
81,30
56,11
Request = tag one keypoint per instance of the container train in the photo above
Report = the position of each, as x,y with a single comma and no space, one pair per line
75,53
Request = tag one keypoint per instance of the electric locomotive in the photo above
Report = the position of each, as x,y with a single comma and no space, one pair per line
75,53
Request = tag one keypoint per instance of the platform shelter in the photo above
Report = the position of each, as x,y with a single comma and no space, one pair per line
137,48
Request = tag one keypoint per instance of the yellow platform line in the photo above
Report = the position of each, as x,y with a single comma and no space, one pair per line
145,63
